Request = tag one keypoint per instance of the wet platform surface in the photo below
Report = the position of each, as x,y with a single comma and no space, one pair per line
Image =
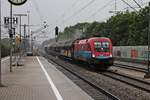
37,80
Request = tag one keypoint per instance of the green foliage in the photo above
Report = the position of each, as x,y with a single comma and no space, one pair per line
128,28
5,47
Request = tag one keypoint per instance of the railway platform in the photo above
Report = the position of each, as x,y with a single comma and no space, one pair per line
37,80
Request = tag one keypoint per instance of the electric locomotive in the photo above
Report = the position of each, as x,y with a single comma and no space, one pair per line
95,51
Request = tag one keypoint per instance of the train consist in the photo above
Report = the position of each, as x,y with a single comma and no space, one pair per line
95,51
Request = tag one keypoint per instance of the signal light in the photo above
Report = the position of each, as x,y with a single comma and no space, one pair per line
56,30
10,33
93,55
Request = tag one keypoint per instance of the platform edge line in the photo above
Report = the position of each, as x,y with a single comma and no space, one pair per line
5,59
55,90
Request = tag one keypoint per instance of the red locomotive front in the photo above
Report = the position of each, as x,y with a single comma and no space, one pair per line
96,50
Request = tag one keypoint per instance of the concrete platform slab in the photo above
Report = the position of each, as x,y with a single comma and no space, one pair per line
66,87
30,82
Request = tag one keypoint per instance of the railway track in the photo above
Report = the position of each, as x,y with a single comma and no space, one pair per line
135,82
139,69
131,81
94,85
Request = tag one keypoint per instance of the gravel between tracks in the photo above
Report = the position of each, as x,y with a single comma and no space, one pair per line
121,90
95,94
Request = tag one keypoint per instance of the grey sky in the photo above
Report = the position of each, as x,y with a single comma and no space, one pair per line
66,12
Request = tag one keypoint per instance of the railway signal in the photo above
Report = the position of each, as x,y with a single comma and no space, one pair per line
147,75
56,33
56,30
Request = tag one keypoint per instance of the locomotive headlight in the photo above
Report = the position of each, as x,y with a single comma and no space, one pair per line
110,55
93,55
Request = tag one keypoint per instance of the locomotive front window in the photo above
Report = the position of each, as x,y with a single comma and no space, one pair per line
101,46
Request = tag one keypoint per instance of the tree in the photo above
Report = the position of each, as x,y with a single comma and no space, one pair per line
128,28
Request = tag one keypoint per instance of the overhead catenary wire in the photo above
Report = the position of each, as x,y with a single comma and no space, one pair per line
83,8
107,4
38,10
132,7
140,5
68,9
141,1
88,4
101,9
79,11
143,4
75,3
137,3
129,5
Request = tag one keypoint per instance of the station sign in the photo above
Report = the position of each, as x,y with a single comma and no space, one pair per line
17,2
7,21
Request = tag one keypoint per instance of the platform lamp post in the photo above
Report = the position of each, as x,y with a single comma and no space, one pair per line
28,26
147,75
15,3
11,36
0,49
20,31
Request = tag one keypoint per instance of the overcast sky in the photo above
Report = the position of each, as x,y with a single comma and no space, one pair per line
66,12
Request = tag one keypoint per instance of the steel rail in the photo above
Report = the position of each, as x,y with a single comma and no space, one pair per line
130,67
128,80
135,82
94,85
